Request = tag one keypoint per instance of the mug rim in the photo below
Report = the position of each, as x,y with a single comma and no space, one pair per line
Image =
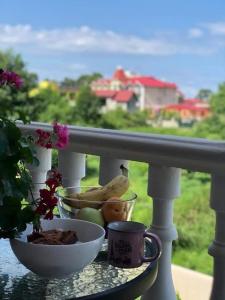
133,227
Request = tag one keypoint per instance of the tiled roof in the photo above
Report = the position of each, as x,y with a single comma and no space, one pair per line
105,93
193,101
118,96
120,75
147,81
183,106
151,82
123,96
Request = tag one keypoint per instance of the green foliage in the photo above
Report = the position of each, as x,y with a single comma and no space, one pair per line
178,297
85,80
51,106
15,181
218,100
168,115
119,119
68,83
204,94
16,103
88,107
214,126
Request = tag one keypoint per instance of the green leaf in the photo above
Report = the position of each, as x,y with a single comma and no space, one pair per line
12,131
27,214
26,154
3,142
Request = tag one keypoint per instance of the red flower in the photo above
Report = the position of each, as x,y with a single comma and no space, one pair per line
62,134
49,215
48,200
58,139
11,78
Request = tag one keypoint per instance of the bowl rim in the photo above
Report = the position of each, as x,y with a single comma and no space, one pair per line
19,240
133,196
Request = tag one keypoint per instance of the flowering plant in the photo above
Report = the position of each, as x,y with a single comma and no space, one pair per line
10,78
57,139
16,151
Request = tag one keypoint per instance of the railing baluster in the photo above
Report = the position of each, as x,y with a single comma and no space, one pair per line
72,167
39,173
163,187
109,168
217,248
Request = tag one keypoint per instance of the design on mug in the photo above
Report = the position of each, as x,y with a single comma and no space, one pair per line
123,247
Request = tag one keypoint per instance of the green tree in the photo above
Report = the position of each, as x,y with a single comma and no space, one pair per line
88,107
119,119
16,103
214,126
68,83
51,106
86,80
204,94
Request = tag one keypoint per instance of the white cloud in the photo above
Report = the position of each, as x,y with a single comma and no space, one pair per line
195,33
77,67
85,39
216,28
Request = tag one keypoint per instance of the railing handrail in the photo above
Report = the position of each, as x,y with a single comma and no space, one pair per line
182,152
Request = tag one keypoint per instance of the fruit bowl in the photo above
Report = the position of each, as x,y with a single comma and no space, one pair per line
100,212
59,261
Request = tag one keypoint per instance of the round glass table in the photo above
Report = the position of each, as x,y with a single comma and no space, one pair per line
98,280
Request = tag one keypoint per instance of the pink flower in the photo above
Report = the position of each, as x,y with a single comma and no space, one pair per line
11,78
58,139
62,134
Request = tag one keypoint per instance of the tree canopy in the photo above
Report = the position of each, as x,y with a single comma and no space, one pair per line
214,126
204,94
88,107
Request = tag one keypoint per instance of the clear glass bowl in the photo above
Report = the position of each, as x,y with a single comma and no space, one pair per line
110,210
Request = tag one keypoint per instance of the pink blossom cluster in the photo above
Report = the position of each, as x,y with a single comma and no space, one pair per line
48,200
11,78
62,134
59,138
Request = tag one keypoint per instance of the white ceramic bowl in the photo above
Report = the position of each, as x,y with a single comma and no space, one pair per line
59,261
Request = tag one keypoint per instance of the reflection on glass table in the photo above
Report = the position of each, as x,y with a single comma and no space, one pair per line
98,280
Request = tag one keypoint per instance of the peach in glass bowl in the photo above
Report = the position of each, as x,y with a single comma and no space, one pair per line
100,212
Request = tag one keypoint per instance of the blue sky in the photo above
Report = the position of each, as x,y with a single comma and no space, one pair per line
178,41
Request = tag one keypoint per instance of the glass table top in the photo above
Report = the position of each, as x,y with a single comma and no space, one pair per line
18,283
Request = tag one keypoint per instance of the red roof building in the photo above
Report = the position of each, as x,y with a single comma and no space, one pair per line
124,99
120,75
151,82
105,93
190,109
151,93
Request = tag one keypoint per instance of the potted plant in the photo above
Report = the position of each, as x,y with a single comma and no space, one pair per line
16,152
42,243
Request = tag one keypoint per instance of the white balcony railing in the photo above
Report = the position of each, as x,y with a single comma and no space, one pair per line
166,155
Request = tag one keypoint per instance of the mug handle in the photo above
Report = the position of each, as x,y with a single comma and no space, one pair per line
149,237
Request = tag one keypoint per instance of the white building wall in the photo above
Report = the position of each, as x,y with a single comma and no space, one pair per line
159,97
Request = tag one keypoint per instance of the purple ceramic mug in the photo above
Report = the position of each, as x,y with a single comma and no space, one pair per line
126,241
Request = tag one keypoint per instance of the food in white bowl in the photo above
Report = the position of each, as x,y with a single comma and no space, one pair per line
59,261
